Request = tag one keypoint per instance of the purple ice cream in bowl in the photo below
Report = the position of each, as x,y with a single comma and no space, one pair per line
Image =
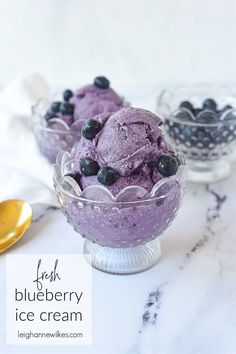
57,123
120,187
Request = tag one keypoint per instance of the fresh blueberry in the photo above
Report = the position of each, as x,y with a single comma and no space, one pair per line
186,105
167,165
67,94
67,108
90,129
209,103
89,167
55,107
106,176
101,82
49,115
75,176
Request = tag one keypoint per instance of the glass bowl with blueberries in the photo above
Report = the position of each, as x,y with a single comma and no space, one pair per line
57,124
120,187
121,231
54,126
200,122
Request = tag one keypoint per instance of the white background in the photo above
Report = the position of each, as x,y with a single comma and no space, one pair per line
133,42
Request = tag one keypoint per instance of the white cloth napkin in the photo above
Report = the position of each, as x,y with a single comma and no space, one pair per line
24,172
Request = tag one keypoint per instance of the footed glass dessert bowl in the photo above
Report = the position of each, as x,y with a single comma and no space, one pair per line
201,128
121,231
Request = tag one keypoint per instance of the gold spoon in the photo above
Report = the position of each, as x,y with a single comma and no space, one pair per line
15,218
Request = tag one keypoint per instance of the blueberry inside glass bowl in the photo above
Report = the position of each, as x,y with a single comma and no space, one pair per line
53,135
121,231
200,122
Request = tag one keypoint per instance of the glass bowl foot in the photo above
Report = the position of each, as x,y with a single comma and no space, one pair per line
207,171
128,260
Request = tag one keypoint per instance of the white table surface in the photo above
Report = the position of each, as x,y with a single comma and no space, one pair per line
186,304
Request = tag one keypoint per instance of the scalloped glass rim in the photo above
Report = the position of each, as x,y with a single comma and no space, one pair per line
65,158
194,123
36,112
35,109
170,97
225,93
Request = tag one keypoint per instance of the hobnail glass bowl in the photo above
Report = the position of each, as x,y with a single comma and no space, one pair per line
208,147
121,231
61,137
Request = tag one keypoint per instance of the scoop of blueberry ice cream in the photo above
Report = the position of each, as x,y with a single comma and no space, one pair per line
84,103
93,99
122,149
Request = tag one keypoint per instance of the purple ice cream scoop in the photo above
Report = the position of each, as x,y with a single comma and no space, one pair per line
91,100
128,146
86,102
129,142
57,127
